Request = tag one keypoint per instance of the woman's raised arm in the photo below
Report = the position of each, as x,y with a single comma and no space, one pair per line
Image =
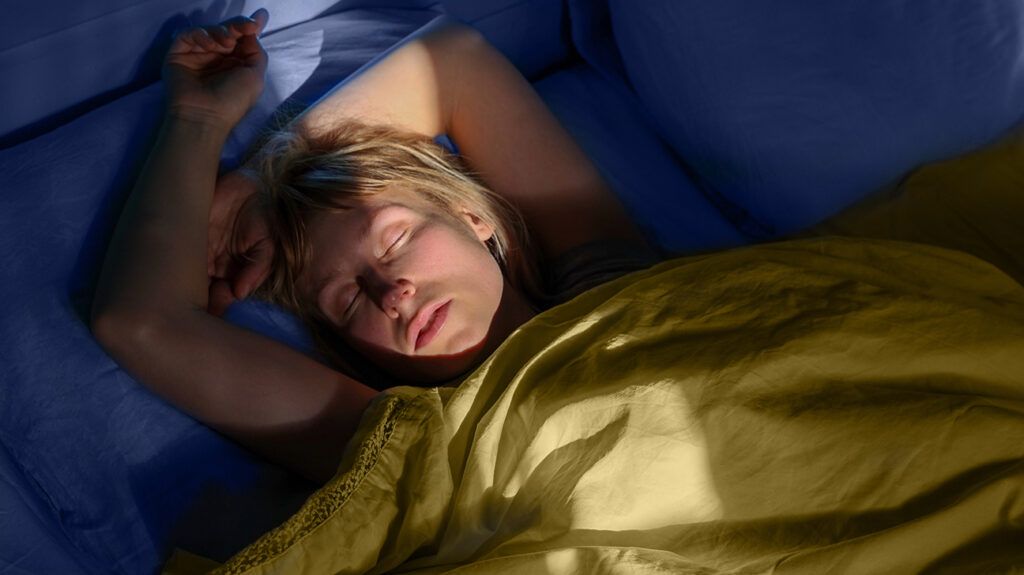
451,80
150,307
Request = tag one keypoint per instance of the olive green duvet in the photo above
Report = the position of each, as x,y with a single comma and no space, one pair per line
825,405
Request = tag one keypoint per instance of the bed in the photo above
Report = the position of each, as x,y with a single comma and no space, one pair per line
843,405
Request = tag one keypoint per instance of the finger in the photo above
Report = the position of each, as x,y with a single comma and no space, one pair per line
254,271
220,297
186,40
211,262
240,26
202,39
252,52
221,265
182,35
249,279
261,17
223,37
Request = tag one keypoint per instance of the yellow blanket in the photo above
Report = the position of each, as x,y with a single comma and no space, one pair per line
816,406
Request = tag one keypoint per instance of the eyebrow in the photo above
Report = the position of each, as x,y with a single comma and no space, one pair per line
365,227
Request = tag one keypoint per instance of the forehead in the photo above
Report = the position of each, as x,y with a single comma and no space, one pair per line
358,219
355,221
337,238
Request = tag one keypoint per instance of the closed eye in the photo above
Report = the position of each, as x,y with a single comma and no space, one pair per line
338,303
396,242
352,302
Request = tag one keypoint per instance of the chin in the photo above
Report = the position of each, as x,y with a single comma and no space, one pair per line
433,369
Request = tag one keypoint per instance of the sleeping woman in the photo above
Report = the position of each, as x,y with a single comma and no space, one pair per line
409,264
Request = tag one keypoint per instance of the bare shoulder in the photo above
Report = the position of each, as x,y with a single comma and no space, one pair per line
518,147
451,80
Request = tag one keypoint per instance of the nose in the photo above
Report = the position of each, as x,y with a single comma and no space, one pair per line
393,295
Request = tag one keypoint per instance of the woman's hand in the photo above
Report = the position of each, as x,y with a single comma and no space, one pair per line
214,74
239,249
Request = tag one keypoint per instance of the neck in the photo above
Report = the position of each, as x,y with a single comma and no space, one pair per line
514,310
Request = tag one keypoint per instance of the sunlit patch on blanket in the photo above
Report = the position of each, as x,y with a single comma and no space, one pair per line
825,405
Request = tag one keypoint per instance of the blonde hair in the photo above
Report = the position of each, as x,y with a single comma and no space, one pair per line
304,173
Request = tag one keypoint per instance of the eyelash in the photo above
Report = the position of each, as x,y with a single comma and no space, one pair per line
398,239
352,302
359,290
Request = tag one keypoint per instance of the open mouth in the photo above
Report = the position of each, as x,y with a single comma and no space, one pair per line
432,325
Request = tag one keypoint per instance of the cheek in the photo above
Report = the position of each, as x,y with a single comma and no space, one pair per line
462,262
490,284
461,267
476,260
484,284
366,328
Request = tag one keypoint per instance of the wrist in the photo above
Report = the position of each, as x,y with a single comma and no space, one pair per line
204,123
201,140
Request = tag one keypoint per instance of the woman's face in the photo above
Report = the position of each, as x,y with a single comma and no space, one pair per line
414,291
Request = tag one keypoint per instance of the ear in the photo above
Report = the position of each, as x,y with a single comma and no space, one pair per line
481,229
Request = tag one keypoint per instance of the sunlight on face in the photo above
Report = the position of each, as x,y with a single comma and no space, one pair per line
415,291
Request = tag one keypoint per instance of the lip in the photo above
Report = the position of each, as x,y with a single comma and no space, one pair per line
427,323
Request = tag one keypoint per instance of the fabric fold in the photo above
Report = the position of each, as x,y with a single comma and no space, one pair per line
800,407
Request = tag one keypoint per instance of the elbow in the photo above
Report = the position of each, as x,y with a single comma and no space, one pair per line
455,38
118,329
106,326
107,321
464,31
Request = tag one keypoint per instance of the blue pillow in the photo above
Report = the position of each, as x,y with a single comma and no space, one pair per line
608,123
792,110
